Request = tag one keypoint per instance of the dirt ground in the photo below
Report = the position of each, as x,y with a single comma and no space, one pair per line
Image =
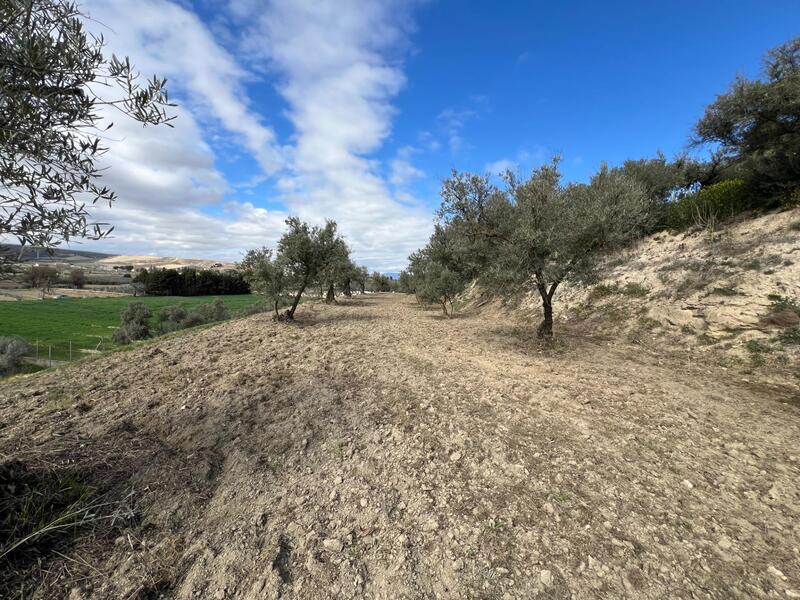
378,450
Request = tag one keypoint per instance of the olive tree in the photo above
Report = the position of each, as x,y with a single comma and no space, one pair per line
756,124
42,277
337,266
436,284
305,252
266,276
540,232
78,278
54,80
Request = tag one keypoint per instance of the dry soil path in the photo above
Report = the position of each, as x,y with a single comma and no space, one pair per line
378,450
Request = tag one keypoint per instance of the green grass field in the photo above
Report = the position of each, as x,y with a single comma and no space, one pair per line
87,322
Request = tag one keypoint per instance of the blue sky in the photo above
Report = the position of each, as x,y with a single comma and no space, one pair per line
356,110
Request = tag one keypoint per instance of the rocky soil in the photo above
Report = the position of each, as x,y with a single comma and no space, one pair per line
712,289
378,450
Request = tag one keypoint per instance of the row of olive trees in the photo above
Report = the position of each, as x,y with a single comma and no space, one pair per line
530,235
306,256
44,277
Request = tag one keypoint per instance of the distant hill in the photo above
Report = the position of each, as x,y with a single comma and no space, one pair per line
36,254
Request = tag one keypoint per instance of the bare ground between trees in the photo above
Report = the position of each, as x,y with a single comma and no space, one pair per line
378,450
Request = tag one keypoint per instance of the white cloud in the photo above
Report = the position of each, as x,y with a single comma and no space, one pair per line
452,121
167,39
499,167
335,64
337,70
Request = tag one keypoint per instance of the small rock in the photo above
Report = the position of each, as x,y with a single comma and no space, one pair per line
776,573
546,577
333,545
455,456
548,508
687,484
594,564
363,502
430,525
724,543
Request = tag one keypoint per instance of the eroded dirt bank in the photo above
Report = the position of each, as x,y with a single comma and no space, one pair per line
377,450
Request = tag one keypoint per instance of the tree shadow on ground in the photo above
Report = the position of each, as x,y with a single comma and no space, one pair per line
568,338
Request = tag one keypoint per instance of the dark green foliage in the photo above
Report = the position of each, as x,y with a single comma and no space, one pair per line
380,282
135,324
50,129
42,277
78,278
710,205
781,303
192,282
266,277
175,318
532,235
306,254
436,284
406,284
756,125
12,350
665,182
171,318
790,336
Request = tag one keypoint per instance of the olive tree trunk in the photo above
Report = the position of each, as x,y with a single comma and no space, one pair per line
330,297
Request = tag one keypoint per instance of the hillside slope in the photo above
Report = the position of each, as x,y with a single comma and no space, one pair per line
377,450
723,293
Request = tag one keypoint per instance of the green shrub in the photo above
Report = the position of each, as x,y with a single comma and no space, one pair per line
780,303
790,336
171,318
12,350
174,318
135,324
724,291
711,204
757,347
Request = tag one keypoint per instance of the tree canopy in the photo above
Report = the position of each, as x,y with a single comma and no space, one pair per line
756,124
54,80
306,255
531,235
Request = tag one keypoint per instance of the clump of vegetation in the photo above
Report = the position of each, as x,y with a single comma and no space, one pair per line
12,351
42,277
191,282
532,235
725,291
781,303
78,278
306,256
755,127
783,312
175,318
633,289
709,205
790,336
757,347
135,324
